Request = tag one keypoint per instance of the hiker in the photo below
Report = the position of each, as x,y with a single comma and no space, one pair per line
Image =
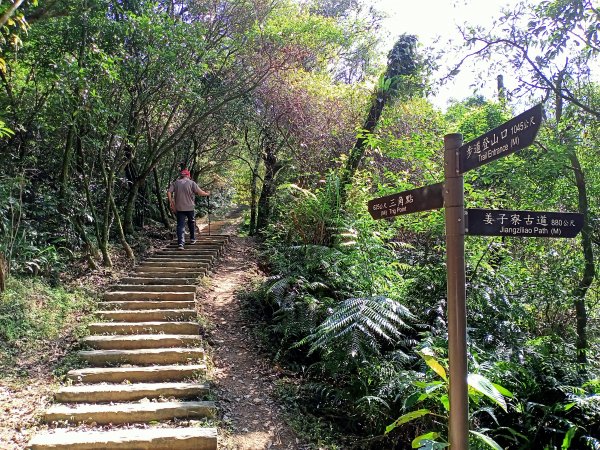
184,191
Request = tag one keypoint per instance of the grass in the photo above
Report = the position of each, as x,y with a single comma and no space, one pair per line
38,321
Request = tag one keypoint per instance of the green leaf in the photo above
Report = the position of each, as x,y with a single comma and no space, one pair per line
405,418
417,442
484,386
503,390
568,406
445,401
486,440
566,443
429,358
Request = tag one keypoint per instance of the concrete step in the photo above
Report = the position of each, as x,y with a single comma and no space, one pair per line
136,374
176,252
166,274
149,304
202,243
143,357
150,315
209,237
131,328
157,281
141,341
98,393
174,263
170,272
186,258
181,287
140,295
138,439
129,412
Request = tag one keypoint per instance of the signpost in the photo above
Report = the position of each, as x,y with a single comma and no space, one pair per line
508,138
407,202
501,222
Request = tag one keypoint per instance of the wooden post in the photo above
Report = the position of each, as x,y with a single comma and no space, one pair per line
456,283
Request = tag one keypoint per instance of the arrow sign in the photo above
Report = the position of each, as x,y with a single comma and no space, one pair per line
407,202
502,222
514,135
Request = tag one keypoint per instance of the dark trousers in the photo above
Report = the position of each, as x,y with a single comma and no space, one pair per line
181,217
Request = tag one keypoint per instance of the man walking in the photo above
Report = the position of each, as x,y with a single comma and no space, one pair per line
181,195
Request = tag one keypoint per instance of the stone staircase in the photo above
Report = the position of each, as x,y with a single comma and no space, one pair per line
146,362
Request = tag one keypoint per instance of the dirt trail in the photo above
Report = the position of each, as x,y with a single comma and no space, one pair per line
244,379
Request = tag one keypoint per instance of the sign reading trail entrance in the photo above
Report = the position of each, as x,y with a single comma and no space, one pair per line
407,202
501,222
517,133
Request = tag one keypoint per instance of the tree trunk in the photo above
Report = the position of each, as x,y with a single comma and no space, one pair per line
103,244
401,61
3,272
589,269
130,207
90,249
122,238
253,194
268,189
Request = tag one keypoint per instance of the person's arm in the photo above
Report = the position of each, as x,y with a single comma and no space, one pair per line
171,200
202,193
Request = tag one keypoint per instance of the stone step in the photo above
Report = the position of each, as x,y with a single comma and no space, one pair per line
216,248
174,263
181,287
139,439
150,315
199,243
149,304
143,357
98,393
187,258
136,374
129,412
171,272
158,281
186,252
165,274
141,341
140,295
129,328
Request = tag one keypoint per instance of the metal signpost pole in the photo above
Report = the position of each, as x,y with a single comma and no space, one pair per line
457,311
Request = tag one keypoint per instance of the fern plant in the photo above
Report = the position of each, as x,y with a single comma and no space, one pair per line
360,325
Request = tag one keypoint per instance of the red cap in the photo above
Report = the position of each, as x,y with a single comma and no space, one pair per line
185,173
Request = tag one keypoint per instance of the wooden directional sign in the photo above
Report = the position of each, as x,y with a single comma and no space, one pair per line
501,222
508,138
414,200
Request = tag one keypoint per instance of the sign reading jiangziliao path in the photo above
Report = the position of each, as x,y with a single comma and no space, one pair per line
407,202
501,222
517,133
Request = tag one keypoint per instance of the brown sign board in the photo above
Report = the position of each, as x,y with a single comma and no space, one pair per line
501,222
407,202
514,135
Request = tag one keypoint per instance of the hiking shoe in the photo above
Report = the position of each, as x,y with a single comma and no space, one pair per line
180,246
193,241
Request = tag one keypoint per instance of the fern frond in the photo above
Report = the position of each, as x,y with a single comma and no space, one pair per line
359,324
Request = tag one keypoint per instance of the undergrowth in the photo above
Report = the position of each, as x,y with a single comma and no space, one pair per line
35,317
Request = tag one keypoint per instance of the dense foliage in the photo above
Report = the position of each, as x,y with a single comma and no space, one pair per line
284,106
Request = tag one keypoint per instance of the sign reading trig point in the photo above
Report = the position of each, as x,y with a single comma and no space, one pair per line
414,200
517,133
